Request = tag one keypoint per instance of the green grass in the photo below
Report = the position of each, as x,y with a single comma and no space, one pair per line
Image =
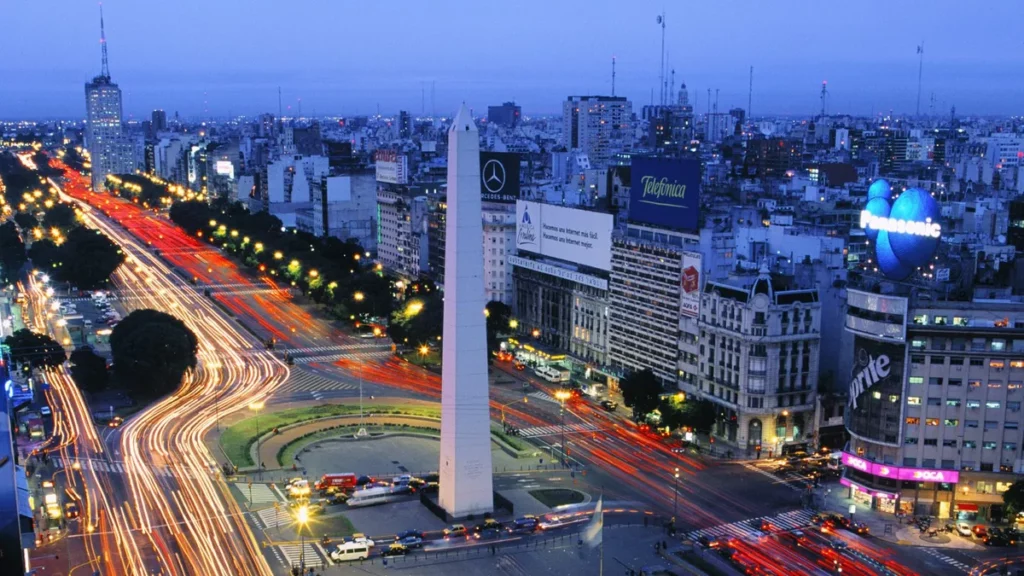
552,497
515,443
334,526
237,439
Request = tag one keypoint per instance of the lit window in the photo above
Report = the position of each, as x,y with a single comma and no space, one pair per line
876,395
959,321
988,445
1016,363
914,400
917,379
996,364
953,403
913,420
992,404
952,422
931,421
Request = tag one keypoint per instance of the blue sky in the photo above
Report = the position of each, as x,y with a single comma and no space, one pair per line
219,57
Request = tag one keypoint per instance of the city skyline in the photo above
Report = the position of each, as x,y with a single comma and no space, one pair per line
536,64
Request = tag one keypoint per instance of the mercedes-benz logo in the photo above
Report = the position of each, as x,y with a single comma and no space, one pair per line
494,176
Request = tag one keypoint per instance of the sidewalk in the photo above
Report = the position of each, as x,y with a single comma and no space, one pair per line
887,527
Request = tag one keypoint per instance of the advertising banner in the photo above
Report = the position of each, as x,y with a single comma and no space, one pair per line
392,167
691,284
899,472
571,275
876,390
665,192
569,234
499,177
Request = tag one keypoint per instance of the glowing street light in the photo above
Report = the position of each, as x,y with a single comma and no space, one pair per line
536,333
562,396
513,323
358,296
278,255
414,308
313,273
302,518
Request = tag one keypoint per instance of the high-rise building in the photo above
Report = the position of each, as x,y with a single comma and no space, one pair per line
507,114
103,136
404,124
598,126
158,121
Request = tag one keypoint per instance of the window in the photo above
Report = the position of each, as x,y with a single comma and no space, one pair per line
959,321
948,444
970,444
998,364
999,345
991,425
1013,406
914,400
971,423
939,321
918,343
910,441
1003,486
913,421
935,401
1009,425
955,382
911,462
977,361
988,445
1016,363
953,403
921,319
935,381
893,398
978,344
930,442
952,422
917,379
992,404
1010,446
959,344
974,384
936,359
974,404
917,359
948,464
1014,386
956,360
931,421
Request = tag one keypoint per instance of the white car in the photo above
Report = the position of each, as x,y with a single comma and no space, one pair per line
360,538
963,529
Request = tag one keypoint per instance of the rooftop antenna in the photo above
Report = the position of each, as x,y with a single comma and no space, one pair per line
613,75
920,69
672,86
661,79
299,112
423,98
105,70
280,111
824,96
750,94
433,104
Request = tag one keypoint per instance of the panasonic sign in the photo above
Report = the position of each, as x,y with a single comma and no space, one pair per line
875,371
927,228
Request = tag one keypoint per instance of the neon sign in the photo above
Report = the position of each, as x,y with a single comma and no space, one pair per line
905,228
900,473
927,228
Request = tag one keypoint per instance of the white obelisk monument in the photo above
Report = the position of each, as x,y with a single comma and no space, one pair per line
466,483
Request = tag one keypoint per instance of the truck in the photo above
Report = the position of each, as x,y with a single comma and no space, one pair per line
343,481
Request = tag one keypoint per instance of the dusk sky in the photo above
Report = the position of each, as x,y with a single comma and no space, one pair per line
214,58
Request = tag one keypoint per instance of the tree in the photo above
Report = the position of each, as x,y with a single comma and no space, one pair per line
60,216
641,391
89,370
152,351
698,413
44,254
1014,498
419,322
25,221
498,314
38,350
88,258
12,252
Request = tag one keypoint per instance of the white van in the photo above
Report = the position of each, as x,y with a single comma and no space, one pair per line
350,551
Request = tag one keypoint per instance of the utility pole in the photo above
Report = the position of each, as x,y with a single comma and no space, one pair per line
920,69
750,94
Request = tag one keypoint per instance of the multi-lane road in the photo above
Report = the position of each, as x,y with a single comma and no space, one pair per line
187,524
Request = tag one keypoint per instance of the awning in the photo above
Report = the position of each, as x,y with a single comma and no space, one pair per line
966,507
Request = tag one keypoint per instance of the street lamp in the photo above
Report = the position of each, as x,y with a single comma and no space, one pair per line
358,296
524,399
302,517
562,396
513,323
256,407
423,354
675,498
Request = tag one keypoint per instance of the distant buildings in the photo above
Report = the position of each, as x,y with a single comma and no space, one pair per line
109,151
506,115
158,121
598,126
343,207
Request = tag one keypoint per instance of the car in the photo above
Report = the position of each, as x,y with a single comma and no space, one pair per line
963,529
455,531
45,411
395,549
609,405
525,524
403,479
115,422
407,533
858,528
430,488
998,540
71,510
765,526
360,538
837,544
520,366
707,542
487,524
411,541
364,480
487,534
980,531
797,537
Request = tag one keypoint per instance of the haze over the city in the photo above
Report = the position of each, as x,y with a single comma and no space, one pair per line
205,59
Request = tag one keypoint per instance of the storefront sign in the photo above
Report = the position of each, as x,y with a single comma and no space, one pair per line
858,488
559,272
900,473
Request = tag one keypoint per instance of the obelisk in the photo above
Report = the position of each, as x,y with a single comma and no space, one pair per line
466,483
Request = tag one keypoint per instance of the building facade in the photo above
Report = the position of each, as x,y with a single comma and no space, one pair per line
103,136
402,237
598,126
508,114
759,351
935,405
499,222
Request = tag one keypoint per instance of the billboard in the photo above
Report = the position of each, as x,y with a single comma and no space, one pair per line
392,167
665,192
691,283
499,177
899,472
569,234
904,228
876,390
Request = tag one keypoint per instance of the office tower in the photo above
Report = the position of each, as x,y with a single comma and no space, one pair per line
598,126
507,114
404,124
159,121
103,121
465,463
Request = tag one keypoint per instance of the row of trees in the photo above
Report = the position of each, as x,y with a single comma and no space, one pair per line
642,392
85,258
151,352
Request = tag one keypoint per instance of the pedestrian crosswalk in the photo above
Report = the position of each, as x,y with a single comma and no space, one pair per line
343,356
338,348
792,520
302,381
302,554
542,396
537,431
942,557
112,466
276,516
792,481
257,493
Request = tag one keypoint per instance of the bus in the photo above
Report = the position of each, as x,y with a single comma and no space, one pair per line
552,374
372,496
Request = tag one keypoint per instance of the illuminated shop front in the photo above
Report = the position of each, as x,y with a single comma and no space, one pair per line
889,488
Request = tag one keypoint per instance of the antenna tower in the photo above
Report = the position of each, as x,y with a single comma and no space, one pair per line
105,70
920,69
824,96
661,77
750,94
613,75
